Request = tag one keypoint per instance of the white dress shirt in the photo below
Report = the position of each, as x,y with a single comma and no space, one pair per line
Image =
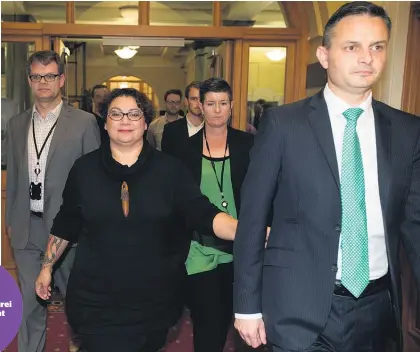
378,261
192,129
42,127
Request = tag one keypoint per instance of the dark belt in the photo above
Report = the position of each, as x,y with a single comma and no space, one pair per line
37,214
374,286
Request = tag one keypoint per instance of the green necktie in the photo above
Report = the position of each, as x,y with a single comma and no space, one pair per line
354,235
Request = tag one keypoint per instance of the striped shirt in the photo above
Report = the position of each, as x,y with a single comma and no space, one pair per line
42,127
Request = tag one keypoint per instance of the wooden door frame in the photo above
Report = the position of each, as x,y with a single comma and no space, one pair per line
21,38
412,61
296,33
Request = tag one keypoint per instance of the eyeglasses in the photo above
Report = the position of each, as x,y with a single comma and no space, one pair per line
49,77
132,115
172,102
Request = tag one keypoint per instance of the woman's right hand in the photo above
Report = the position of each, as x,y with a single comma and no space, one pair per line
43,283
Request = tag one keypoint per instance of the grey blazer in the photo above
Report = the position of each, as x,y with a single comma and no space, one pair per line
76,134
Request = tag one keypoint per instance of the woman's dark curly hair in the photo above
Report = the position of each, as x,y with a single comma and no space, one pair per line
143,102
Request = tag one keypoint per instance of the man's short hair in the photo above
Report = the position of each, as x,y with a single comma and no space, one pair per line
98,86
45,57
351,9
193,84
173,91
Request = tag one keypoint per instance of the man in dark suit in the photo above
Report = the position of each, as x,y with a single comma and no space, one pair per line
176,134
342,172
42,145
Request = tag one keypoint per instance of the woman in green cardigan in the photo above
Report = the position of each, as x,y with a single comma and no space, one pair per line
218,157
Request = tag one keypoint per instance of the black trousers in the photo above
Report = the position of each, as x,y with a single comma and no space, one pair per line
151,342
356,325
210,300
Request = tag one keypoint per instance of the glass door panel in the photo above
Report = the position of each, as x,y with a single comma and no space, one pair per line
265,80
15,98
15,92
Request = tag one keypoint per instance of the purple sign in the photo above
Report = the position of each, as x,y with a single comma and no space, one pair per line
10,308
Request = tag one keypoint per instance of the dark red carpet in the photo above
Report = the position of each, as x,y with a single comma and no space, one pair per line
179,337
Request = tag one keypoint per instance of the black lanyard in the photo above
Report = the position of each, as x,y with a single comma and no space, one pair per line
219,183
38,154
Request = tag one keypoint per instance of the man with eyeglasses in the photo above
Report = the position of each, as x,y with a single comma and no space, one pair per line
173,104
42,145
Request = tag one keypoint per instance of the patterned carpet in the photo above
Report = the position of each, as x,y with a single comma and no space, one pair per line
179,337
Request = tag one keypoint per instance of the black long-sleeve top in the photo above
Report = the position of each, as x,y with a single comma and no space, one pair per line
128,272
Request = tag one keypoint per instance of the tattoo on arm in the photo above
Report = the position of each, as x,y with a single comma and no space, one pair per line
56,247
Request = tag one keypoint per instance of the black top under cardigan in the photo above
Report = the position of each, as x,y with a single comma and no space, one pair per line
240,144
128,272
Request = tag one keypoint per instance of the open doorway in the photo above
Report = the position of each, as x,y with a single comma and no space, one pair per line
152,67
132,82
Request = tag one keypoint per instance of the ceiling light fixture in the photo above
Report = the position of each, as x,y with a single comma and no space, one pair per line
126,52
276,54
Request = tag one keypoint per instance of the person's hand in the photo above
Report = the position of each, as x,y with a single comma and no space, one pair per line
252,331
268,235
43,283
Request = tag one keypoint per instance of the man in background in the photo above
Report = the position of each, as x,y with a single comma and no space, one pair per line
99,93
155,131
176,133
258,111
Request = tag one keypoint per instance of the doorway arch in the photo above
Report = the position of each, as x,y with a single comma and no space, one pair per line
121,81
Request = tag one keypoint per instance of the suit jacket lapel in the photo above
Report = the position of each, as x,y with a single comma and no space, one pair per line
236,160
383,155
185,128
60,131
195,151
320,122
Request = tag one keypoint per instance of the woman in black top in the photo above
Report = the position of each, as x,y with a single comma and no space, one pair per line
218,156
119,204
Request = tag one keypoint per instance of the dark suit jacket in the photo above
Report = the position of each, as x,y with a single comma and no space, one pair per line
294,164
175,135
240,144
101,124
